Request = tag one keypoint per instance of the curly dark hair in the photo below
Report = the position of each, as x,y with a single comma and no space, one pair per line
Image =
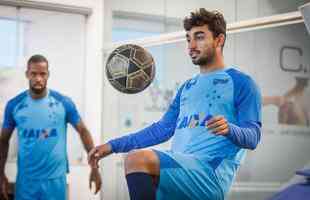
214,19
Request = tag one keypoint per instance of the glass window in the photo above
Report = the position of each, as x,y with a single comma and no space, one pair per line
9,42
263,8
11,74
164,15
121,34
278,59
167,15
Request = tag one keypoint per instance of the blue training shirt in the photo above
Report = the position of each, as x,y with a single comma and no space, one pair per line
227,92
41,127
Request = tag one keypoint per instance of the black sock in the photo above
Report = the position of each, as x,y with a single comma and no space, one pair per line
140,186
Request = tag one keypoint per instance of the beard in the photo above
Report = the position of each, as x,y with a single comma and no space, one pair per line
205,59
36,90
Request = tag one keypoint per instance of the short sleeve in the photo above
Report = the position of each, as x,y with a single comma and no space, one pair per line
247,98
248,102
8,119
72,114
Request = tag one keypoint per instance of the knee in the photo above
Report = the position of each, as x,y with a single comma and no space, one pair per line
142,161
134,161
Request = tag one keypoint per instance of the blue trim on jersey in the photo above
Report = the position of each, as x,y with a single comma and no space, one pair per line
72,115
215,162
8,121
247,99
156,133
246,136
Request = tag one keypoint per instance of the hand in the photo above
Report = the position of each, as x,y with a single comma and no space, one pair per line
96,178
97,153
4,185
281,100
218,125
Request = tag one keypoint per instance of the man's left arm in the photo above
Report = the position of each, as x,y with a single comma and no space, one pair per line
73,117
85,136
246,131
245,135
88,144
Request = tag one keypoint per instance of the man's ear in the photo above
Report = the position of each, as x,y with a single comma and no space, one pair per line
220,40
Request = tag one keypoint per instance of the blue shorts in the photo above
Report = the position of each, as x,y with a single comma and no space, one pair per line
184,177
49,189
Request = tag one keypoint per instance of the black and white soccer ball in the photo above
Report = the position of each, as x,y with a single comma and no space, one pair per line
130,68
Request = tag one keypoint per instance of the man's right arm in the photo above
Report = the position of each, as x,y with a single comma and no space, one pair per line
154,134
4,148
5,135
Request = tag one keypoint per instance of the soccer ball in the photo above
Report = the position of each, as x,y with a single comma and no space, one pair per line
130,68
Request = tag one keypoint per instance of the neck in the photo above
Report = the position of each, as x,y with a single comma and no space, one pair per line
217,64
37,96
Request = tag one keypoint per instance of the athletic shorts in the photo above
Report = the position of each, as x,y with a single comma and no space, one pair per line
184,177
49,189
